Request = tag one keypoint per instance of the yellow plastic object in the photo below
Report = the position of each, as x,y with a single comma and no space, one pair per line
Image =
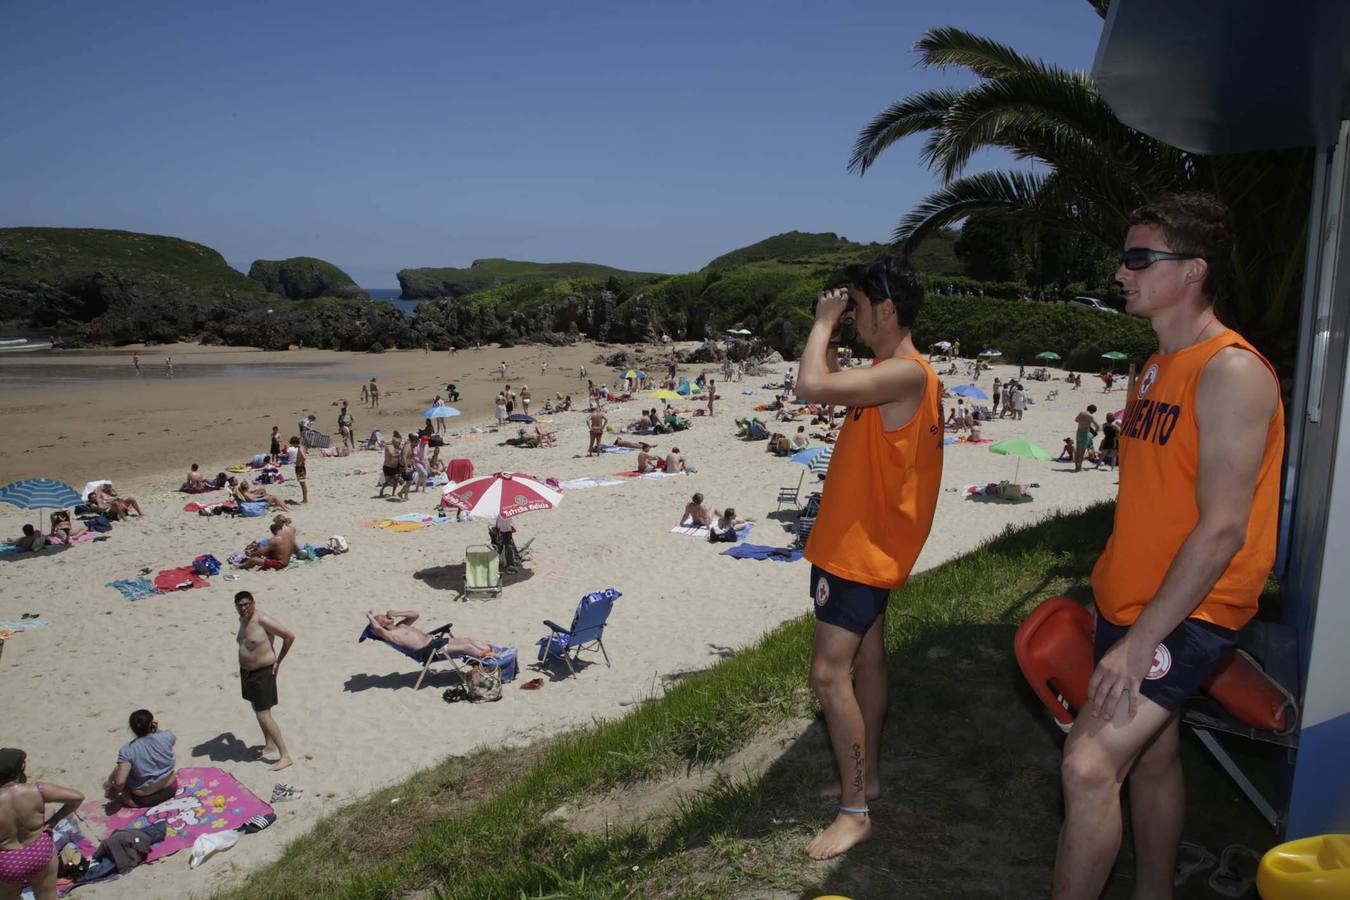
1315,868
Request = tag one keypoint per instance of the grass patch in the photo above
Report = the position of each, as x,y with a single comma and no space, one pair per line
970,773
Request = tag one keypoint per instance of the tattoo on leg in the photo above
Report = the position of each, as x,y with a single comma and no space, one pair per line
857,767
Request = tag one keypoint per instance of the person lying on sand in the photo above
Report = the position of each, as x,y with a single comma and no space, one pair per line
31,539
106,500
278,552
64,527
396,627
244,493
631,445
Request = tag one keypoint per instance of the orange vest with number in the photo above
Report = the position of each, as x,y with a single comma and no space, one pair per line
877,505
1156,507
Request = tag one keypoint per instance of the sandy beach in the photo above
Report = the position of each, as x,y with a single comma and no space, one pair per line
348,711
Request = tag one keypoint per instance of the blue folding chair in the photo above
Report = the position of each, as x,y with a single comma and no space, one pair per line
586,633
504,658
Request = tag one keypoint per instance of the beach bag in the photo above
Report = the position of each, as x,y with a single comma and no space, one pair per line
98,523
206,565
338,544
722,537
483,683
252,509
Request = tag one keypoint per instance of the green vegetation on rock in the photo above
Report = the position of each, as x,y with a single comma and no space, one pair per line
303,278
430,283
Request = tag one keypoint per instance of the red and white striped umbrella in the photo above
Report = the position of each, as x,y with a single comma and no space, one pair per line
503,494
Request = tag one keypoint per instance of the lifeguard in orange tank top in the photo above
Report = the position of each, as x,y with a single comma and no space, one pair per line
1156,509
872,524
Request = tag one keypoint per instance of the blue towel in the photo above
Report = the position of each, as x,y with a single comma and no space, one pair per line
759,551
134,588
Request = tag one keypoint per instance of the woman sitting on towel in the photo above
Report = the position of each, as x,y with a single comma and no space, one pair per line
64,528
146,773
723,528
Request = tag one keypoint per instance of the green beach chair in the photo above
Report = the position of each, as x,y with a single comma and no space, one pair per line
482,570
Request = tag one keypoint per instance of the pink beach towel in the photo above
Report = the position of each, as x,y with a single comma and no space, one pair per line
208,800
194,506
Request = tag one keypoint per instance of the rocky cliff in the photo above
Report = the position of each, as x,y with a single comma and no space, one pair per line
304,278
429,283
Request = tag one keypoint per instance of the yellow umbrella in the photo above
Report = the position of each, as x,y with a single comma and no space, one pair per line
667,395
630,374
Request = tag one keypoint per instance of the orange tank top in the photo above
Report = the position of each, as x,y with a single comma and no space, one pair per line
1156,508
877,504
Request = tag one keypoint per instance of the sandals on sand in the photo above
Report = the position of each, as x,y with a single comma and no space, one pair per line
282,792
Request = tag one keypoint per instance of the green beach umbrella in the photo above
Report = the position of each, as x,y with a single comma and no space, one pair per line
1116,355
1048,354
1022,449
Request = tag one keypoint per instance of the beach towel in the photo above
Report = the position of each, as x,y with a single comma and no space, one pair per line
9,548
759,551
85,538
208,800
699,531
23,625
134,588
182,578
610,448
590,481
193,506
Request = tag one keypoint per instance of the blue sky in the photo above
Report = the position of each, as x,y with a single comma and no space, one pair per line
650,136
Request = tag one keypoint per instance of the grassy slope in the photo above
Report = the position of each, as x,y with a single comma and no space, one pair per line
935,256
970,777
494,272
62,256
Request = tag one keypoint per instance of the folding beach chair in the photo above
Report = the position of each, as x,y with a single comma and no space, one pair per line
504,658
806,519
588,627
790,494
482,570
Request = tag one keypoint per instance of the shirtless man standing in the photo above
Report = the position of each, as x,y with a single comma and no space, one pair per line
396,627
374,394
27,854
258,665
393,451
596,421
1086,425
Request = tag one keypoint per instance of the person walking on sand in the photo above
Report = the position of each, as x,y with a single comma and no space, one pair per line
876,510
27,850
136,362
301,468
1085,429
1193,543
365,394
259,663
712,395
374,394
274,448
347,426
168,367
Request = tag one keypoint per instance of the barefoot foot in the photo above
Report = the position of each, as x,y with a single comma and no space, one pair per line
280,764
846,830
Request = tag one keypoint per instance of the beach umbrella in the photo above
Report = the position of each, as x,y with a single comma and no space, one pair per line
666,395
503,494
942,345
1048,354
821,464
519,417
971,391
1022,449
39,493
440,412
991,353
630,374
1116,355
807,456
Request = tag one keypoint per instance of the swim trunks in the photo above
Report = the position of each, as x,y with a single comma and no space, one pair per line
273,564
1181,663
21,866
847,604
390,472
259,687
300,471
1083,439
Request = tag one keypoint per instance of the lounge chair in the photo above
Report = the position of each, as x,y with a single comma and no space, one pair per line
791,495
482,570
433,651
586,633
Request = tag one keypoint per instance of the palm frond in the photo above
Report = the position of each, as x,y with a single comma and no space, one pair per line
914,114
946,47
1101,6
1008,192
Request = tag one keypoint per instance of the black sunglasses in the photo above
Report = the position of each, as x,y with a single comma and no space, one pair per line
1136,258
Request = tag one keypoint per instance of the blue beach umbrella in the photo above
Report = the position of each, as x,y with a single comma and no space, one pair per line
440,412
519,417
821,464
40,493
971,391
805,457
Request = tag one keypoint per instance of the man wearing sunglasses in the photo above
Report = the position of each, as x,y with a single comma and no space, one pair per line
875,513
1201,445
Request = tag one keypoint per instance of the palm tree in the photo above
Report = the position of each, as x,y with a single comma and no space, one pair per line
1091,171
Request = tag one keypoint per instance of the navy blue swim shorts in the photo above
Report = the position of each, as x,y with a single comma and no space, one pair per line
1182,662
845,603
